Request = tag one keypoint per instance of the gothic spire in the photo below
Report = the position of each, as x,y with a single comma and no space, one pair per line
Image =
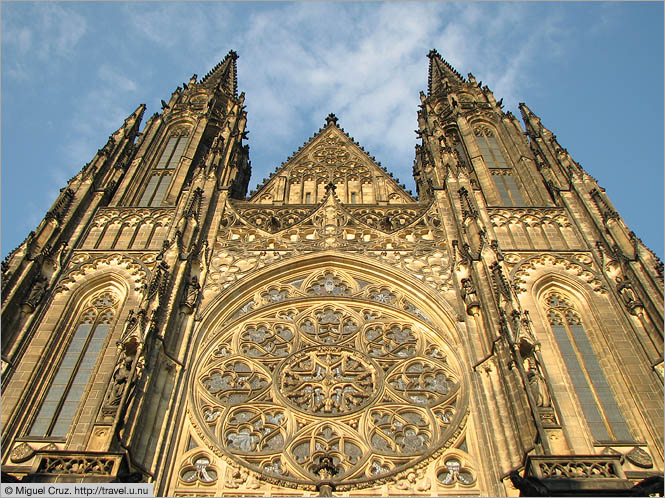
224,75
441,74
532,122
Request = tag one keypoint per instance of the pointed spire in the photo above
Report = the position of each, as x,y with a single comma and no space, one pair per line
224,74
531,121
135,117
441,73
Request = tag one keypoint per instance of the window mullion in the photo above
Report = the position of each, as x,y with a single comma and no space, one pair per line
75,369
589,380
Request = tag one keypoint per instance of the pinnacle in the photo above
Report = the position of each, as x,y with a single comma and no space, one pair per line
526,112
137,114
331,118
222,69
439,70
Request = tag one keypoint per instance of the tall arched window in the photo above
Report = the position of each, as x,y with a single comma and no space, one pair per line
508,191
490,148
599,406
66,390
161,174
500,169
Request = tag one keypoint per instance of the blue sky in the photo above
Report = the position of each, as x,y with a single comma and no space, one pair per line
71,72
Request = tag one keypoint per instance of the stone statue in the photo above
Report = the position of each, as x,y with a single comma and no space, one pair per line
538,385
36,293
470,296
192,289
630,299
119,379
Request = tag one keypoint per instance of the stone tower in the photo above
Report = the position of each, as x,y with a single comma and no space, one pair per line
331,333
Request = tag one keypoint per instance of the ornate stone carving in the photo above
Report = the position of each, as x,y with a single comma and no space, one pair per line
414,481
628,296
76,464
199,471
83,264
470,296
21,453
537,384
35,294
129,228
637,456
191,294
328,381
576,468
453,471
415,249
580,265
370,388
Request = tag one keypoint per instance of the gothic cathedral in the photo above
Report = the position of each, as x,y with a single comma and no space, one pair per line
331,333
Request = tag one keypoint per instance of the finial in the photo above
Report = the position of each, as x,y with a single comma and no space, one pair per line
233,54
433,53
331,118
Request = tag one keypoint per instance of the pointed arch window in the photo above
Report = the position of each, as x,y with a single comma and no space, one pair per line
64,395
490,148
507,187
599,406
162,173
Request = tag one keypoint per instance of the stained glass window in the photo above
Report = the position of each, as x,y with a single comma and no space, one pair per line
160,177
73,374
599,405
490,149
508,190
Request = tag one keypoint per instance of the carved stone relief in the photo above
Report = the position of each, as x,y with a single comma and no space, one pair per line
419,248
578,264
83,263
361,383
128,228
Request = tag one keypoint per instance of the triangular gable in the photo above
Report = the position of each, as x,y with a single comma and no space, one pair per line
224,74
441,74
331,156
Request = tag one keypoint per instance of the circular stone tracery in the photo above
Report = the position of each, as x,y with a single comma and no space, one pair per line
358,382
328,381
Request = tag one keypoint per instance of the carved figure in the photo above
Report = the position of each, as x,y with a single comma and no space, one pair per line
192,290
470,296
36,293
538,384
630,299
119,379
236,478
414,481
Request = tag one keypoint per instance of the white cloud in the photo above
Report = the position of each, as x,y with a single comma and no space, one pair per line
114,80
98,110
20,36
367,64
173,24
43,33
62,27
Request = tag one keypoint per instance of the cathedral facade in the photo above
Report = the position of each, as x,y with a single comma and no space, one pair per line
499,333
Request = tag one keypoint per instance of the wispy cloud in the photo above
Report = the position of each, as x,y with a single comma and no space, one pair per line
172,24
366,62
98,109
368,65
41,34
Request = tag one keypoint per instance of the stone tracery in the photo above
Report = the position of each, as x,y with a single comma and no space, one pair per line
358,381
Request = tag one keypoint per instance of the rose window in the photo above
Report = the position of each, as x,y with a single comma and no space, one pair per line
368,386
